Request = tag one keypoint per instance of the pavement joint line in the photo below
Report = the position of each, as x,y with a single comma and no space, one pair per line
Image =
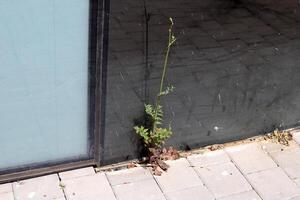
269,154
62,188
13,191
244,175
209,165
137,181
258,171
204,184
239,193
112,188
159,186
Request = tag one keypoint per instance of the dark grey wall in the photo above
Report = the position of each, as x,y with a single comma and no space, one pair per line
235,67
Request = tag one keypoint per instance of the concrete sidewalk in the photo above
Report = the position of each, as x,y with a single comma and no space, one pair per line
254,171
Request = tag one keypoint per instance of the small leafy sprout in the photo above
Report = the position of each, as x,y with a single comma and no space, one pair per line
144,133
61,185
155,136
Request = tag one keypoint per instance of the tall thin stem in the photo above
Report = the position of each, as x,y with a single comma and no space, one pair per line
163,73
171,40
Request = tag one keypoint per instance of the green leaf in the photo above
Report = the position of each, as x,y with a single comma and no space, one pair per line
167,91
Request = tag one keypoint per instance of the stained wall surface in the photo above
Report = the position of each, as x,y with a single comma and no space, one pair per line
235,67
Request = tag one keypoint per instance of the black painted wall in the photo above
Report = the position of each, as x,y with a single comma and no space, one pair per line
235,66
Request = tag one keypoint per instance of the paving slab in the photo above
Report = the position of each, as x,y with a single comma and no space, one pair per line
289,161
209,158
145,190
250,158
223,180
270,146
250,195
128,176
194,193
273,184
297,181
207,176
45,187
179,176
296,135
90,187
77,173
295,198
5,188
7,196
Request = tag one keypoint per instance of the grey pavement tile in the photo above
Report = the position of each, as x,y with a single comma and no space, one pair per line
251,58
5,188
205,42
270,146
297,181
179,176
289,161
7,196
295,198
296,136
223,180
265,30
45,187
249,195
276,39
88,188
144,189
250,158
128,176
215,53
210,25
221,35
236,27
194,193
234,45
250,37
209,158
194,32
273,184
77,173
251,21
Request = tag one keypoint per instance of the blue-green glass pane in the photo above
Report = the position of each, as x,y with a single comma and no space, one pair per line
43,81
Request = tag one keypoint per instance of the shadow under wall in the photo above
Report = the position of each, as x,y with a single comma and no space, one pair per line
235,67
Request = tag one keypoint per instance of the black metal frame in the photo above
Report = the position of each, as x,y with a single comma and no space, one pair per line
98,49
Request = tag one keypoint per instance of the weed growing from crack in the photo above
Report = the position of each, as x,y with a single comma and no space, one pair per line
155,136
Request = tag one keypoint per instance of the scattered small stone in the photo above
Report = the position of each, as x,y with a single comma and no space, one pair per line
170,154
131,165
164,166
156,171
157,158
215,147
